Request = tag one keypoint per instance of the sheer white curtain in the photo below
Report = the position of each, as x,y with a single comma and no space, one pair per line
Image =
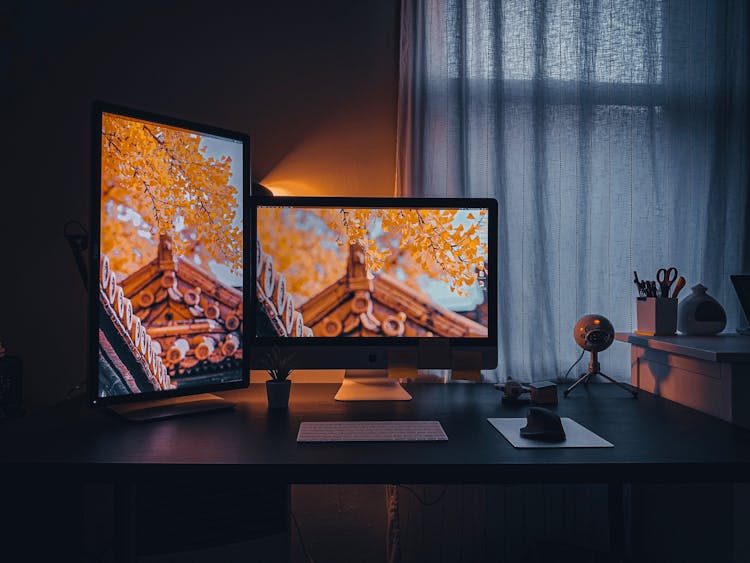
614,134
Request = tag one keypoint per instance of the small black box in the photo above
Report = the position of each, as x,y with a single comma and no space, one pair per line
543,393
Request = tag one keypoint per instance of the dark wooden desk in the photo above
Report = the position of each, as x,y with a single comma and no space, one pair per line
655,441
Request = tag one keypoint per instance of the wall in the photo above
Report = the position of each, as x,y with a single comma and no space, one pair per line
314,83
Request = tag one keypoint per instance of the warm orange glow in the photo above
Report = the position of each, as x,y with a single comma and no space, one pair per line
287,187
347,155
597,321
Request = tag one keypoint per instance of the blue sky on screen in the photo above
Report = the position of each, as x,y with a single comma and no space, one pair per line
216,147
440,291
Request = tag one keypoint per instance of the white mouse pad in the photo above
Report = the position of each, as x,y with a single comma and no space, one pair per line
576,436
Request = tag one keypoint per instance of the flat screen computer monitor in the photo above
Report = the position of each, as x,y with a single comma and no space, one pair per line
373,283
167,257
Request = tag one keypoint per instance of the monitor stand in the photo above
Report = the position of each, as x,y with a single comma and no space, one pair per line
370,385
149,411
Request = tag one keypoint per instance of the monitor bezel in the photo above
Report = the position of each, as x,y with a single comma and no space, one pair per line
487,346
99,108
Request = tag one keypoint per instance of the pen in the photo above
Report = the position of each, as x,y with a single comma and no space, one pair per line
637,283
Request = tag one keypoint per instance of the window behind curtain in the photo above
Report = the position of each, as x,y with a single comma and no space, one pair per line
614,136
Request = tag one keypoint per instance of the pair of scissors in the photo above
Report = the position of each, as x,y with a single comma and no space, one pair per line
666,277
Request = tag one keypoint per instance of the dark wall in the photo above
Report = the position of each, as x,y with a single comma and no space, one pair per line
314,83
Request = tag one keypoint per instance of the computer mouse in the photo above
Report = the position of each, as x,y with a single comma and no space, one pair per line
543,425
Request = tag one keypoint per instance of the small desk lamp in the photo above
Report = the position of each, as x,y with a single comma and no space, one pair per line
595,333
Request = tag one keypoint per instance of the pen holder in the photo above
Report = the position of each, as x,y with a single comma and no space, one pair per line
656,316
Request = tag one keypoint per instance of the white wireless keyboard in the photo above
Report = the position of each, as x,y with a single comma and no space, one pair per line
372,431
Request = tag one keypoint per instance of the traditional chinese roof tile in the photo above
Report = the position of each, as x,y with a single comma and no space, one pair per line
276,313
381,305
129,356
195,319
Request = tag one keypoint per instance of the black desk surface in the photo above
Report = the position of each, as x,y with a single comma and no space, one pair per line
655,441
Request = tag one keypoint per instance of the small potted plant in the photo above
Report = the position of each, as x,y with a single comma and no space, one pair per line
278,387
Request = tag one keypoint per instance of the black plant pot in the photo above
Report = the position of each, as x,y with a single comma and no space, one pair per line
278,393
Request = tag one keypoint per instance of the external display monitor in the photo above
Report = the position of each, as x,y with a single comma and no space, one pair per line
352,282
167,257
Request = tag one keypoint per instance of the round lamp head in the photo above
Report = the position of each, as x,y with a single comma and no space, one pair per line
594,333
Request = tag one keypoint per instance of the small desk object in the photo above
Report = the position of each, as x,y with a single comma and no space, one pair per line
708,373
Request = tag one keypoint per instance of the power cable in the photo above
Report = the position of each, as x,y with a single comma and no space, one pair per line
393,525
424,502
78,241
301,539
565,377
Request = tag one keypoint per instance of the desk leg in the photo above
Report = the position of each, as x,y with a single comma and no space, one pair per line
616,508
125,514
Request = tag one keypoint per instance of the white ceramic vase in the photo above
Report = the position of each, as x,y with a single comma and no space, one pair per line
699,314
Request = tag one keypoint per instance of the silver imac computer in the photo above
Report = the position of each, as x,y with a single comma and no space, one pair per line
379,287
168,263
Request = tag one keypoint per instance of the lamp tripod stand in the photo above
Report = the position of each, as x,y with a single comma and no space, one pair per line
595,369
